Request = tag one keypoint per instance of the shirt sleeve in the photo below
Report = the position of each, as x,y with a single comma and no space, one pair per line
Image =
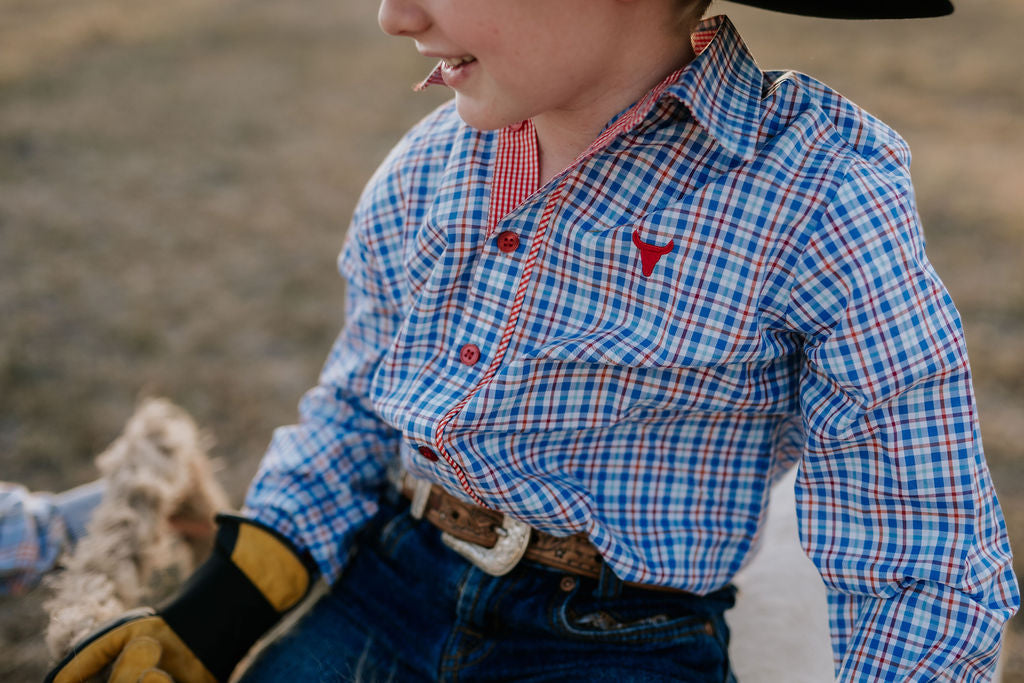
319,480
895,504
32,536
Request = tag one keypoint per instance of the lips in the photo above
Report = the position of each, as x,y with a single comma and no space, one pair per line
450,71
456,62
456,71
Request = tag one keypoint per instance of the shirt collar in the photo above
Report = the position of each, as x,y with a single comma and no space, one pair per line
721,87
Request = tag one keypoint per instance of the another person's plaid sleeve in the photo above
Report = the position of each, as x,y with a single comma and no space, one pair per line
895,502
32,536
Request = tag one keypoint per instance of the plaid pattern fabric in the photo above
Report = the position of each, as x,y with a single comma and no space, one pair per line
731,280
32,536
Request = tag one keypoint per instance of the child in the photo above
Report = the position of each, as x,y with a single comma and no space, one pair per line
596,306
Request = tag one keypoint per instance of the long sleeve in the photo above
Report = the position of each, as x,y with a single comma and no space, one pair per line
35,528
895,504
318,482
32,534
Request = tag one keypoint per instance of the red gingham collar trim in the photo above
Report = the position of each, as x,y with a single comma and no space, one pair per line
516,171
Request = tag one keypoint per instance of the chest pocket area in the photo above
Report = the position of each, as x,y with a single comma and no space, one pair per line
663,291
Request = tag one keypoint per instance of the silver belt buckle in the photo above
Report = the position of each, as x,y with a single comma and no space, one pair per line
513,537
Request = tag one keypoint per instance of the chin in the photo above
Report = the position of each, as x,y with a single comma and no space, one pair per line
482,118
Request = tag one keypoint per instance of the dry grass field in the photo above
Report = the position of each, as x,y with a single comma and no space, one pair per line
176,179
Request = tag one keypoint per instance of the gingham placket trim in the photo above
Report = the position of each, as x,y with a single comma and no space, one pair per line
506,338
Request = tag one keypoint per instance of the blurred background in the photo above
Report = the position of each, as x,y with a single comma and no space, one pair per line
176,179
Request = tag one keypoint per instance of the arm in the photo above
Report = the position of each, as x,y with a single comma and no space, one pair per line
319,480
32,535
317,484
36,527
895,504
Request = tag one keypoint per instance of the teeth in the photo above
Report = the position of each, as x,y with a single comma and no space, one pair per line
452,62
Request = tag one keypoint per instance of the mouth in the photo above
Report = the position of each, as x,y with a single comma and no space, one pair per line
456,71
453,63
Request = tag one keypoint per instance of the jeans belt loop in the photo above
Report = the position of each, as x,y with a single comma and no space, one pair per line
421,494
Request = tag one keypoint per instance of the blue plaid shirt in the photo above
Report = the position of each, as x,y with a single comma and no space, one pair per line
731,281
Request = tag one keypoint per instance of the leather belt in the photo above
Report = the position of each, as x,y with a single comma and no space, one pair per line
495,542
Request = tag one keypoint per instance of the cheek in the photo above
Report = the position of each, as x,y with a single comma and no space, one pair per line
523,72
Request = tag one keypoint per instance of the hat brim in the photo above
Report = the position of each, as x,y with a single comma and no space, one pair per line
852,9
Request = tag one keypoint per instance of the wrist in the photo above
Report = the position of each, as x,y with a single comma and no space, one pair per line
252,578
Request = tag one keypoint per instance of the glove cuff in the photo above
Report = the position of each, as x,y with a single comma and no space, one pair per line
252,578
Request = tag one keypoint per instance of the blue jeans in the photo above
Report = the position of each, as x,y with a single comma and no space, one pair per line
410,609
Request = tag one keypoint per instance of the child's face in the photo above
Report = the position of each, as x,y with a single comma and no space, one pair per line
511,60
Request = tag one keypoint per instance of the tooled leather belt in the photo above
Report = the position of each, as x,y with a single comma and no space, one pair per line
475,531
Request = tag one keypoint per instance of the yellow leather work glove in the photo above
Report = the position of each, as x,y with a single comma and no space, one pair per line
138,661
252,578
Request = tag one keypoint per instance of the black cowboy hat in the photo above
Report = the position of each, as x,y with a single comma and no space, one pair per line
857,9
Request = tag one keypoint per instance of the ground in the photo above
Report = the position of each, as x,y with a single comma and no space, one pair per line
176,179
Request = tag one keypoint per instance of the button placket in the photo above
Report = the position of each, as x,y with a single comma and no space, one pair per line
497,278
518,288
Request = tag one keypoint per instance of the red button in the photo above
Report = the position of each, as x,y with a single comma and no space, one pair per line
469,354
428,454
508,242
